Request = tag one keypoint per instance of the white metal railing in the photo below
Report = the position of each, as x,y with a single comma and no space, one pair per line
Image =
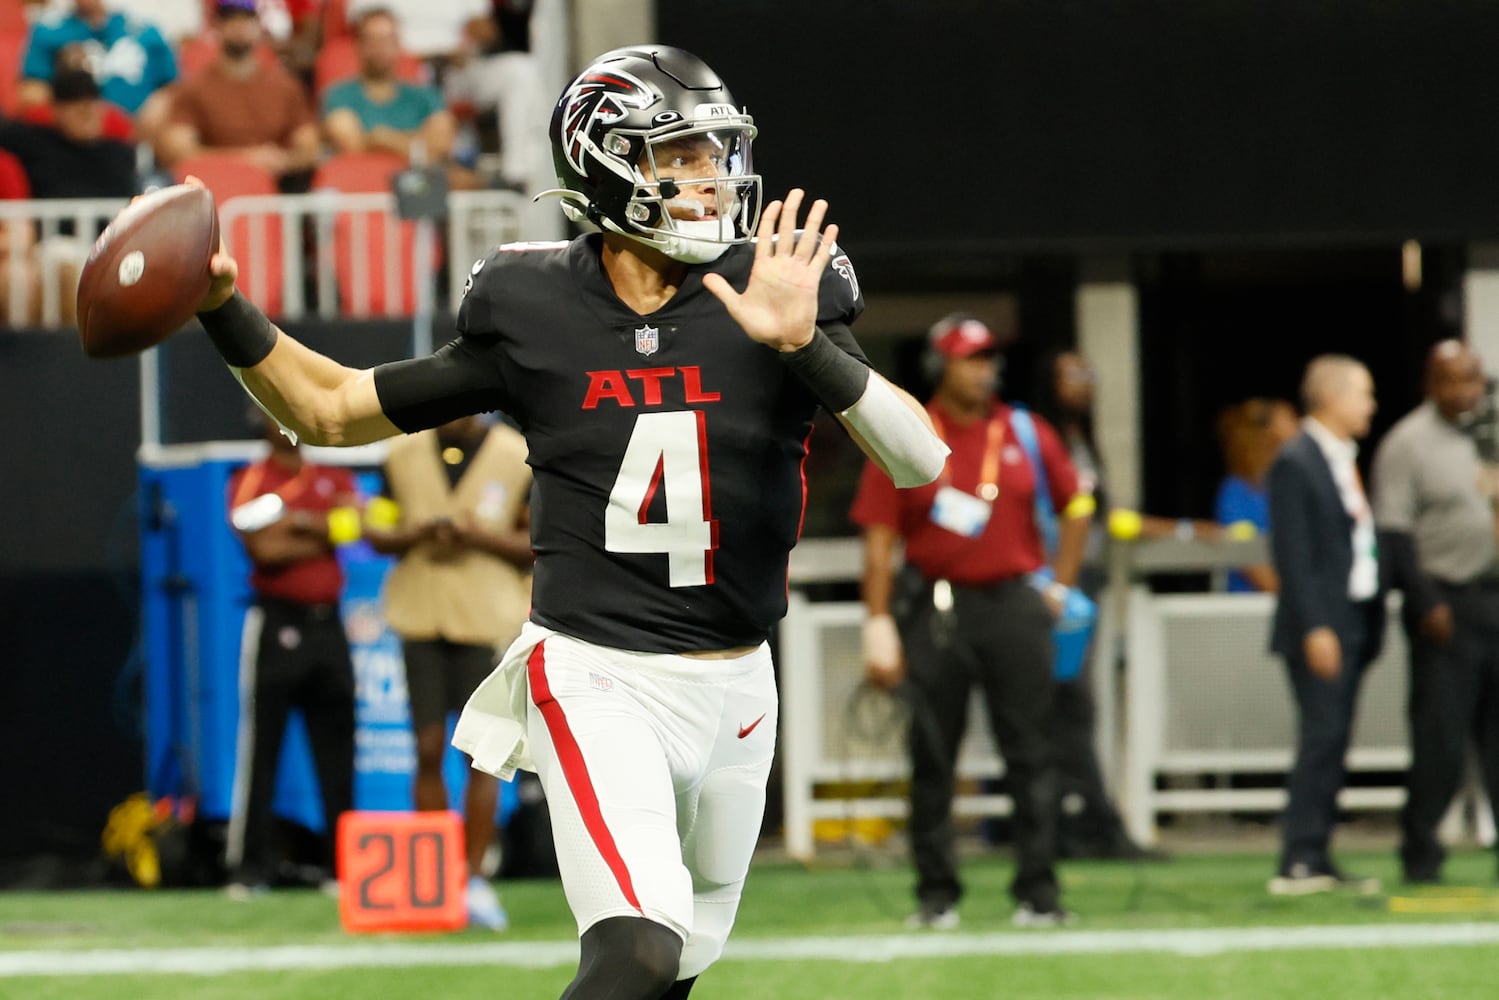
43,260
1205,697
823,744
1202,698
477,221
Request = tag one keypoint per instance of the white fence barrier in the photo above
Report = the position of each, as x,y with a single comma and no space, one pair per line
1202,699
44,243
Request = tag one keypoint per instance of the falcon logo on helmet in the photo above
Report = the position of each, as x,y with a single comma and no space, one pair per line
598,98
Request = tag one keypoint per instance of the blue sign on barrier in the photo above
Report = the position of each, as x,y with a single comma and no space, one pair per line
195,593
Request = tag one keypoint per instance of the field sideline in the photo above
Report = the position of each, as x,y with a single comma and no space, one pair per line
1195,927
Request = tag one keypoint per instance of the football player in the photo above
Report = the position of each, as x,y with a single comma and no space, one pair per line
665,372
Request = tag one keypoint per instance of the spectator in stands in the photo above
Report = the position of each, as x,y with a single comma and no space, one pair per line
964,613
458,599
1435,500
432,29
1329,613
243,105
128,56
378,111
72,157
497,86
1089,826
1252,434
296,654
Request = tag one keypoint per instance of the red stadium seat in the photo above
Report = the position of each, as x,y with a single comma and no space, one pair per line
13,18
335,19
254,239
363,241
12,46
14,184
338,60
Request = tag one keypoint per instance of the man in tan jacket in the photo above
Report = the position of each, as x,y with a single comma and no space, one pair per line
458,597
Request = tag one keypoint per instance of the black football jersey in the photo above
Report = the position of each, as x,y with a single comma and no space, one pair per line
667,448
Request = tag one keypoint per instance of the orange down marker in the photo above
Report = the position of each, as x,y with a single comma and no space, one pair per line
401,871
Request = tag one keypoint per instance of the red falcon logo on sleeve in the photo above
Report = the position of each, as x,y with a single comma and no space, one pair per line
598,98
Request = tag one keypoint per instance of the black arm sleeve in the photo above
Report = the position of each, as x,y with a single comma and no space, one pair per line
458,379
839,333
1421,594
836,375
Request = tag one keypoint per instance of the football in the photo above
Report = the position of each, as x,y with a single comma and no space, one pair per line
147,272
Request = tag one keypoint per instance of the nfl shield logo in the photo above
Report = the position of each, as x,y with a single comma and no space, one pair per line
647,340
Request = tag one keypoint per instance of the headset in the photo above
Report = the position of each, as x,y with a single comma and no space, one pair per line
933,361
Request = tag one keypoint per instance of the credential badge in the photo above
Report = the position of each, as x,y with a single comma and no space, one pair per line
647,340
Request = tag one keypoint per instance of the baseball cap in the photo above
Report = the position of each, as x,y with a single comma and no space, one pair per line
959,335
74,85
224,8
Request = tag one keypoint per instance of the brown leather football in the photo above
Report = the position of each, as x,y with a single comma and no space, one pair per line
147,272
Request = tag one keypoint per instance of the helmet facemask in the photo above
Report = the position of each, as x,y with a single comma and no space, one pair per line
692,189
695,190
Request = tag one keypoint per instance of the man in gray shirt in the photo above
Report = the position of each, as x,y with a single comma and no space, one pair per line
1434,501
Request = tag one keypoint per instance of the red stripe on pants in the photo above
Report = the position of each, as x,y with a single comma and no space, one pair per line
575,770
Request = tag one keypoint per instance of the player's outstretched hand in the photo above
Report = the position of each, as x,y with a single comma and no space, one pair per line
224,268
778,307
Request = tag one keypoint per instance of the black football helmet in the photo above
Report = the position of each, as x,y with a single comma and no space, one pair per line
618,116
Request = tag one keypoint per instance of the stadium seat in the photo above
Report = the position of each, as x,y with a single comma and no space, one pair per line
12,46
335,19
360,238
338,60
14,184
254,239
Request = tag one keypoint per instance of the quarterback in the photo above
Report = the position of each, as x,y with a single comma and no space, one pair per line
665,371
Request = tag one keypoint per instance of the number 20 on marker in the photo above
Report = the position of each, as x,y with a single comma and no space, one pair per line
401,871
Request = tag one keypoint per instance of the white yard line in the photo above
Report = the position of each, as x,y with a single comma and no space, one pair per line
546,954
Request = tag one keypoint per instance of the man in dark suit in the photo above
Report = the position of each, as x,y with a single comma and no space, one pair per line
1329,615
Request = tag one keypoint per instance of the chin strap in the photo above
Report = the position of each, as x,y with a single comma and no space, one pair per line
680,247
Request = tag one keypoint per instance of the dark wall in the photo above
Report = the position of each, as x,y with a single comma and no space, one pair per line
946,130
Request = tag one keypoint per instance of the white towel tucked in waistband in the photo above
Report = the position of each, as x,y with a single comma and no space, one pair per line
492,728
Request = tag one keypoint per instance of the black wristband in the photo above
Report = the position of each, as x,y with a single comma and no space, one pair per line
835,377
240,331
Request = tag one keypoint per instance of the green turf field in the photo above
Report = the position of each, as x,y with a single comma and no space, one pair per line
1196,927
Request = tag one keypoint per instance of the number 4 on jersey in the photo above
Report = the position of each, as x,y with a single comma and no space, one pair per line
668,452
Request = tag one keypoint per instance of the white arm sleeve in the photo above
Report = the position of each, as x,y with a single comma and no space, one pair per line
905,444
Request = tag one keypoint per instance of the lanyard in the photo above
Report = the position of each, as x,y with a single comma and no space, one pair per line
989,470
